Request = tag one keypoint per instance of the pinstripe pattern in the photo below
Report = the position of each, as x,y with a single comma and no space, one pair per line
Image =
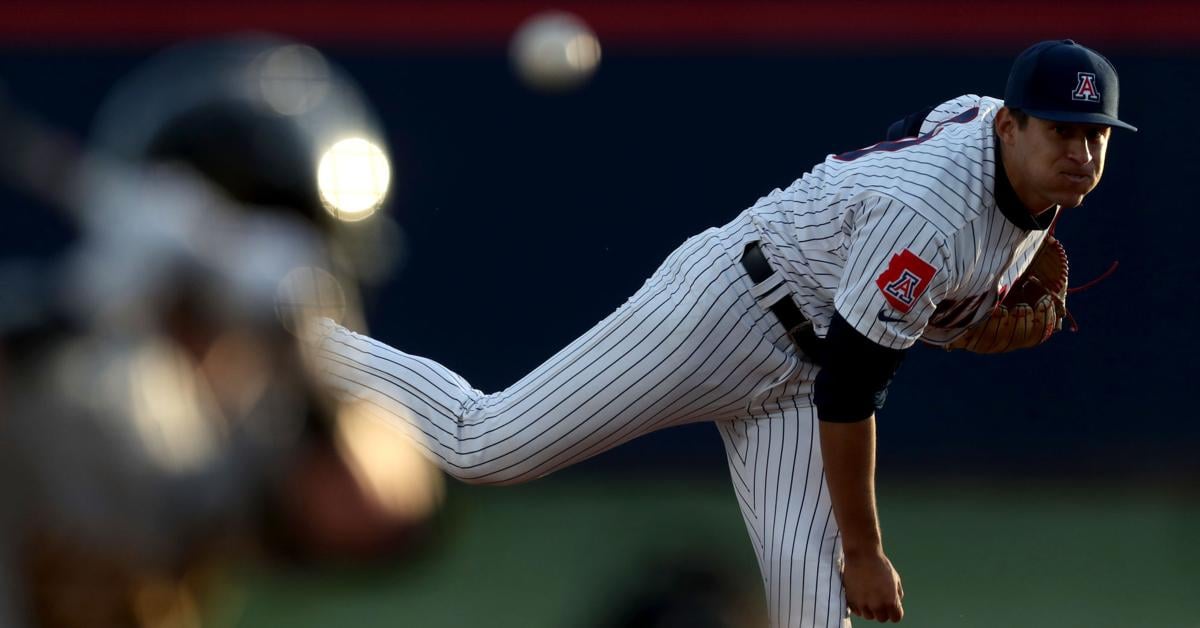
691,345
775,462
694,344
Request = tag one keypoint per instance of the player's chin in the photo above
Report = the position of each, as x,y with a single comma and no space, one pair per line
1070,197
1069,201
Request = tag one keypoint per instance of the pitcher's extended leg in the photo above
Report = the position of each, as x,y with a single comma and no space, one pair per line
691,345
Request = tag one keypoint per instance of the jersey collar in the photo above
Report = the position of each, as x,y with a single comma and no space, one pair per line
1012,207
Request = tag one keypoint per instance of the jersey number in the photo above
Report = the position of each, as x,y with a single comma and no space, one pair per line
896,145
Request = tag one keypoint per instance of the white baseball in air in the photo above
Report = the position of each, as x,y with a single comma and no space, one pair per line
554,51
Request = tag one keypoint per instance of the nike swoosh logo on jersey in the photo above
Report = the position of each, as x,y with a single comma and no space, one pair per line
887,319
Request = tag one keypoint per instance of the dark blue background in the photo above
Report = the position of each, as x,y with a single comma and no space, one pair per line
530,217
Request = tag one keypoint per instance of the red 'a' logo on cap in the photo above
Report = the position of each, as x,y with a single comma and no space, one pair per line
1085,89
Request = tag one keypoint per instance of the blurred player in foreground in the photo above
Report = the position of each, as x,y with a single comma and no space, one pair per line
156,420
786,326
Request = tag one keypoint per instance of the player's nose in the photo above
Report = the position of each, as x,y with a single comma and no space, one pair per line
1079,151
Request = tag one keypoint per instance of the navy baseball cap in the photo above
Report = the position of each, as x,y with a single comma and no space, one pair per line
1063,81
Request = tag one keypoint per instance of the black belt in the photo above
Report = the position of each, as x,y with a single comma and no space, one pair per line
799,328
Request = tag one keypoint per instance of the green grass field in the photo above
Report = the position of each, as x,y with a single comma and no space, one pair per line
563,551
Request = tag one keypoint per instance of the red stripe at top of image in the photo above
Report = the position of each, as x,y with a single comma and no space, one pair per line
836,27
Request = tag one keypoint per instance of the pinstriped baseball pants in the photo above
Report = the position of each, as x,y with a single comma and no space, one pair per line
691,345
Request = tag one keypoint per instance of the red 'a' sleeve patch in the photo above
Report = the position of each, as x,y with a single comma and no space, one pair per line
905,280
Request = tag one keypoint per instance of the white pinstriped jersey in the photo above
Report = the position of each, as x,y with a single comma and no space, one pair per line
904,239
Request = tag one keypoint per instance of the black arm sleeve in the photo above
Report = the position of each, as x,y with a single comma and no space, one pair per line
908,126
854,376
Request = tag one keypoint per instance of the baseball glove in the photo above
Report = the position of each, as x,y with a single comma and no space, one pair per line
1031,312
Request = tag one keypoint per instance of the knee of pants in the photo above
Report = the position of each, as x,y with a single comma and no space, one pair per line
479,454
482,477
492,480
480,469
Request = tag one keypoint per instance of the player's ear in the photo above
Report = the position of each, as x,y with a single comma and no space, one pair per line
1006,125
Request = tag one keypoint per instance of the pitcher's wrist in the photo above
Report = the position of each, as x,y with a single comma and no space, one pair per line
862,548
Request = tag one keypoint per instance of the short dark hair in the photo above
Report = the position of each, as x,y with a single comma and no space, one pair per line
1020,116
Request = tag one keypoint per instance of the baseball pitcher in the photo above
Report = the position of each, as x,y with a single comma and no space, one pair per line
785,326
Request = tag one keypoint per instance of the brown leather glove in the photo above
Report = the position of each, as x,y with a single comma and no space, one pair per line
1032,311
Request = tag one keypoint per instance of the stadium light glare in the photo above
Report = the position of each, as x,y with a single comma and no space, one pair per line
353,177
